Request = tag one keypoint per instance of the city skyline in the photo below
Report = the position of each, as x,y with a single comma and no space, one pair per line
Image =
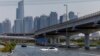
37,10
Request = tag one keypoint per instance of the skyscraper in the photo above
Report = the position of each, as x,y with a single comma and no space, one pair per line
13,28
1,29
28,24
43,21
20,10
72,15
6,26
48,21
53,18
63,18
18,23
36,23
17,14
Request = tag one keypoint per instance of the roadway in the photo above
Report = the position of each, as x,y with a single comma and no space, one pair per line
35,51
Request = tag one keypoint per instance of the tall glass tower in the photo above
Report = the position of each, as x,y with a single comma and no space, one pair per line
18,26
20,10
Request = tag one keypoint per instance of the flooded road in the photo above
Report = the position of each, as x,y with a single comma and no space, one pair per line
36,51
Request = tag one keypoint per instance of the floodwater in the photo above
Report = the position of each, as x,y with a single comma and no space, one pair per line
36,51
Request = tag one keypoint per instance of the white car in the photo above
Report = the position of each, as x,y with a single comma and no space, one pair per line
50,49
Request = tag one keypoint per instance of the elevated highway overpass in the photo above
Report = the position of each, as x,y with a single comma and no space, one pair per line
90,22
85,24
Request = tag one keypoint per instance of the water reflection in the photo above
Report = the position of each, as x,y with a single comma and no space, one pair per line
36,51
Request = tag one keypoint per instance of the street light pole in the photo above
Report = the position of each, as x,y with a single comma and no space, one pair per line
66,11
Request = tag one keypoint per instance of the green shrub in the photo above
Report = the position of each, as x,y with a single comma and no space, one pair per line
9,47
80,44
98,42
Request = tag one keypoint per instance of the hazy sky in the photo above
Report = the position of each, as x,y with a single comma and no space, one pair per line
39,7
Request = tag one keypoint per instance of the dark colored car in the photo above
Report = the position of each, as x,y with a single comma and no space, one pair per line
23,45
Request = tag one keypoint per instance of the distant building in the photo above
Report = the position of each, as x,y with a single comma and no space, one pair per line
13,29
28,24
63,18
36,23
43,21
20,10
48,21
18,26
1,28
72,15
53,18
17,13
6,26
18,23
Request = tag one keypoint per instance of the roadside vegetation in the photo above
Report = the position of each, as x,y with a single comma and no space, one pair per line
80,42
8,47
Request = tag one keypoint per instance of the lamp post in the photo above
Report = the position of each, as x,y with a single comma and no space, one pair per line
66,11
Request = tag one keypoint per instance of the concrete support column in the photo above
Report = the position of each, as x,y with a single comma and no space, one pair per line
45,40
58,40
87,41
68,41
45,37
55,40
51,40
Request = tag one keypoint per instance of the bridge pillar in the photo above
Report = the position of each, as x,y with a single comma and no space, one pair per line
54,41
68,41
51,41
87,41
58,40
